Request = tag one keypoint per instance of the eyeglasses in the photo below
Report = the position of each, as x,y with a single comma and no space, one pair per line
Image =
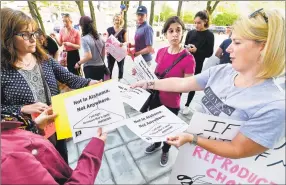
28,35
261,12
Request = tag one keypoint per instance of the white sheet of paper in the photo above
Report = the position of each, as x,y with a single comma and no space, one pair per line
100,107
156,125
136,98
113,47
196,164
143,71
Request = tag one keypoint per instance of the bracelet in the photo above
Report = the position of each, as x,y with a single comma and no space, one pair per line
195,139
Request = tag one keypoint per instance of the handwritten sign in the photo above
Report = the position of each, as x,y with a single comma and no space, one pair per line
195,165
143,71
113,47
156,125
136,98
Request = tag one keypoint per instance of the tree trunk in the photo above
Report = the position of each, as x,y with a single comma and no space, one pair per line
80,7
152,13
33,13
210,8
140,3
125,14
179,8
92,14
39,16
36,15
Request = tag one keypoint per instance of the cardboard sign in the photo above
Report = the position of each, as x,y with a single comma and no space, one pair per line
143,71
82,111
195,165
156,125
136,98
113,47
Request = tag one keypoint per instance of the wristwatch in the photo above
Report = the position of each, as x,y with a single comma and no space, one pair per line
195,139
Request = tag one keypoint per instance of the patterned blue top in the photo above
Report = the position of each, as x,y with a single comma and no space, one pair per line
15,91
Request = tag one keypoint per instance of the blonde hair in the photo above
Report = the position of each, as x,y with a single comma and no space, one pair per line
120,18
272,33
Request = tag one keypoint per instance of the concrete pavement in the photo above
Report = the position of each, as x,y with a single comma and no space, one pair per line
124,160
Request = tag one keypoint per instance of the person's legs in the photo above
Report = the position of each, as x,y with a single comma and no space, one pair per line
166,147
94,72
120,68
110,62
72,59
61,147
192,93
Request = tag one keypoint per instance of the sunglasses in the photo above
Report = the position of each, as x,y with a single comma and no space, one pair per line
260,12
28,35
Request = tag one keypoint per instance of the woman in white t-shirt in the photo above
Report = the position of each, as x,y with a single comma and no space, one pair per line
244,90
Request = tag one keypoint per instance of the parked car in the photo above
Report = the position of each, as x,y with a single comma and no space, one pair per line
190,27
218,29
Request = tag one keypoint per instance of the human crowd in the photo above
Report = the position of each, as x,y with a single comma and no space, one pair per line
33,68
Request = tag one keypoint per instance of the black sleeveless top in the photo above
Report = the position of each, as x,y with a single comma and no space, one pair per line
119,36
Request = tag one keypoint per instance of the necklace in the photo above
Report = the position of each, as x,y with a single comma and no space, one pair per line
177,52
26,65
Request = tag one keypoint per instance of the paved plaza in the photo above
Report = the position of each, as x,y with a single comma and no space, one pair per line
124,160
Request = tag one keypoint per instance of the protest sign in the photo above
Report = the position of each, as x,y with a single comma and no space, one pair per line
81,112
195,165
136,98
143,71
156,125
112,46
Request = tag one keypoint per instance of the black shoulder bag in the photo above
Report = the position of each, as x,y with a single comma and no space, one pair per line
154,99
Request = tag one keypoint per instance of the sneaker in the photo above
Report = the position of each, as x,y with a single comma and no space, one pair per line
164,159
152,148
186,110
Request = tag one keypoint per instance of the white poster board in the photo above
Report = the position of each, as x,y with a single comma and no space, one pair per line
195,165
99,107
136,98
112,46
156,125
143,71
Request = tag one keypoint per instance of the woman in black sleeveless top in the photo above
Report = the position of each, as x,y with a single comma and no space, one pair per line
121,34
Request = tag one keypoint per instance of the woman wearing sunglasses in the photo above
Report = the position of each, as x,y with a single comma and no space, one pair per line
28,76
244,90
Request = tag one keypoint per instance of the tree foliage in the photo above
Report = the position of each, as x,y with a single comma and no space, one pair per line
165,13
226,18
188,18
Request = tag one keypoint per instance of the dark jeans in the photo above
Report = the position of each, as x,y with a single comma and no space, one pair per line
61,146
111,61
72,59
191,94
166,147
94,72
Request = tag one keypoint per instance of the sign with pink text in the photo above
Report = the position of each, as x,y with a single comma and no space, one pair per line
195,165
112,46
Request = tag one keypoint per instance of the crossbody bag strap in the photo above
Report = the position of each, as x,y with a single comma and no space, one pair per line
98,49
173,65
45,85
117,33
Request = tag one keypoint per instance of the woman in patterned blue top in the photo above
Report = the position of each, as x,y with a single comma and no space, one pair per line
244,90
22,60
